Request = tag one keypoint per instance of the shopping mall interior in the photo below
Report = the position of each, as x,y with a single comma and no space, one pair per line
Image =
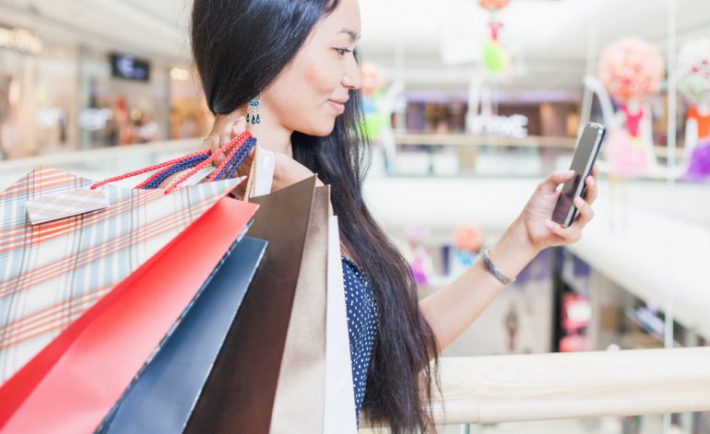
468,104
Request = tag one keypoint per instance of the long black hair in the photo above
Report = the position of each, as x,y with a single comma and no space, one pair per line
240,47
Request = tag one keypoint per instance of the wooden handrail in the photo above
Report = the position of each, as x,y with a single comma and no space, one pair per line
577,385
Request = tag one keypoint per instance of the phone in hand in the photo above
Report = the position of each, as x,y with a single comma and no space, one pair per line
585,155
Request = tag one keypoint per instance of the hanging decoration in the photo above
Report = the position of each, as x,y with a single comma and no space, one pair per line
495,59
493,5
631,68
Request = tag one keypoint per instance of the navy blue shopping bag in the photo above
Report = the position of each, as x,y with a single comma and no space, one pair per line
164,394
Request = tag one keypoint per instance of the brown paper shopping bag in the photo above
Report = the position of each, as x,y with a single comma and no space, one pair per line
240,392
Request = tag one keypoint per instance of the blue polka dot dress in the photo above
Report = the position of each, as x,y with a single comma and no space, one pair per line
362,325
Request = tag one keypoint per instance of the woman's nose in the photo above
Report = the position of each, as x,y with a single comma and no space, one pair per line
351,78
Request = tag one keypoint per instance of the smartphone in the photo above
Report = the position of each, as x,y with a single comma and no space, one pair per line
585,155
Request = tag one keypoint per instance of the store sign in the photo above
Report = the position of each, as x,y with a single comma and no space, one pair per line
179,74
20,40
507,126
650,320
49,117
130,68
94,119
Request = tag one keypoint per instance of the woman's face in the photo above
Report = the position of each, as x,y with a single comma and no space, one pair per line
312,90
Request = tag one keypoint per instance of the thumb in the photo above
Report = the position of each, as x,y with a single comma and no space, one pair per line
556,178
239,126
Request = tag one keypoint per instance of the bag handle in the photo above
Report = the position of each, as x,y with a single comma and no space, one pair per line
157,178
242,146
196,160
225,170
233,160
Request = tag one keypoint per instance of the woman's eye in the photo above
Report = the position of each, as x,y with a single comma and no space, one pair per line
343,51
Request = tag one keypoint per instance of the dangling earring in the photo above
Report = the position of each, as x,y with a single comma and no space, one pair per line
253,116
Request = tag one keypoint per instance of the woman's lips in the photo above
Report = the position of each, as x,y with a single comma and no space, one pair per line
338,106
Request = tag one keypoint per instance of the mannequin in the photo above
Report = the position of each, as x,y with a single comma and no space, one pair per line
629,149
697,143
694,86
379,103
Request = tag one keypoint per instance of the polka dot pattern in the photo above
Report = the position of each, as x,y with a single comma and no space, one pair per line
362,325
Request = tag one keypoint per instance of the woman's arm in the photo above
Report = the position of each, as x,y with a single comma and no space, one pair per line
454,308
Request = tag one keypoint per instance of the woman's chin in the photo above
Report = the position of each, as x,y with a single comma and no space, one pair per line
322,130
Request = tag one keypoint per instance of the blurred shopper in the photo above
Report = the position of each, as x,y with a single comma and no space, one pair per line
146,129
512,322
125,130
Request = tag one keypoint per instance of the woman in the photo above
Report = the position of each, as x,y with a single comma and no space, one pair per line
291,67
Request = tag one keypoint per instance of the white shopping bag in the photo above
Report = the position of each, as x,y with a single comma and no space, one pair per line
261,174
339,415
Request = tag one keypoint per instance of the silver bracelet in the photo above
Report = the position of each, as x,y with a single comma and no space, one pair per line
493,270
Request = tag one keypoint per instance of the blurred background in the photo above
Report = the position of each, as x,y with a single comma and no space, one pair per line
469,104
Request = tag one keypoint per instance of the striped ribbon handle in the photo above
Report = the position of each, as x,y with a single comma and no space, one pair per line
196,161
188,162
227,168
237,151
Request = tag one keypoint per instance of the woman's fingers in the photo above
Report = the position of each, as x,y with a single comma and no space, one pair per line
585,213
224,129
239,126
592,190
568,235
212,143
573,233
550,183
219,141
245,167
224,138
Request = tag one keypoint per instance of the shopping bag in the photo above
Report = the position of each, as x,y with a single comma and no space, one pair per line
161,399
302,372
339,411
261,173
79,376
239,393
51,273
275,373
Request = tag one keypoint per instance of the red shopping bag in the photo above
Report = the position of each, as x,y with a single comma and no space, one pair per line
72,383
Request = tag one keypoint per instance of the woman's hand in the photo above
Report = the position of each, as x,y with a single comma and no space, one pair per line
287,171
224,129
534,230
535,218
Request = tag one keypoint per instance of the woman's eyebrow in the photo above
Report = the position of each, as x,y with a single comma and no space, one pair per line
353,34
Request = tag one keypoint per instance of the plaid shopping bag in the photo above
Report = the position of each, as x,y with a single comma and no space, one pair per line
51,273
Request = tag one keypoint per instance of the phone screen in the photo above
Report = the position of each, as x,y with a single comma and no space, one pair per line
582,163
